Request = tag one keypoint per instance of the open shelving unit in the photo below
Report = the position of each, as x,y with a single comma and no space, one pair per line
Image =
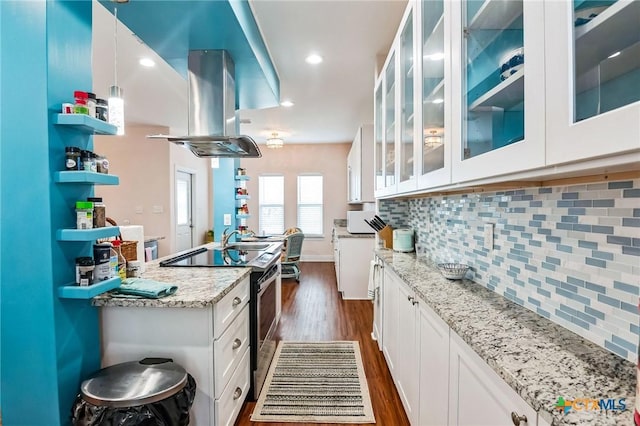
72,291
85,124
89,178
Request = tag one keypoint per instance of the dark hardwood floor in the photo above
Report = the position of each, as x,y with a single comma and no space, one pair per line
314,311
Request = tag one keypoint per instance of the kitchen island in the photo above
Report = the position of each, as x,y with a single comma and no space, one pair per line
540,360
204,327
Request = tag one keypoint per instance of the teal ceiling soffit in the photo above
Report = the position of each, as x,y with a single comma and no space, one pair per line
173,27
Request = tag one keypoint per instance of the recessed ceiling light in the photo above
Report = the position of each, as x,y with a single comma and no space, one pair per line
147,62
438,101
286,103
613,55
314,59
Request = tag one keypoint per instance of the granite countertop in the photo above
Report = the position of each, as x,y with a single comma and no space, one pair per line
539,359
149,238
341,232
198,287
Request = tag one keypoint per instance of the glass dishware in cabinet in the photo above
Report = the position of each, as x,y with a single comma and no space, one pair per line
498,97
435,151
593,80
406,52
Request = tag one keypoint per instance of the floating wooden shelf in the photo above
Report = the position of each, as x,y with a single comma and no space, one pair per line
73,291
85,124
87,234
89,178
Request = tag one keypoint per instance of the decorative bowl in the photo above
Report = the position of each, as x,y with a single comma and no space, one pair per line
511,63
453,271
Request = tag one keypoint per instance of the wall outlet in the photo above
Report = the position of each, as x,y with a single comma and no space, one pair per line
157,209
227,219
488,236
139,210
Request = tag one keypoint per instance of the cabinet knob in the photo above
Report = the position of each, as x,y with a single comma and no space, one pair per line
518,419
414,302
236,301
410,298
236,344
237,394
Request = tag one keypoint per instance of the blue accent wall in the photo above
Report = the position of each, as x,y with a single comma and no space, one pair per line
48,345
224,193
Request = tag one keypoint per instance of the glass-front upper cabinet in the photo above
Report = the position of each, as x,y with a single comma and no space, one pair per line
593,81
378,133
435,152
499,100
390,123
406,51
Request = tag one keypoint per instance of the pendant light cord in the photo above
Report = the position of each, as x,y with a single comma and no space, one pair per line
115,43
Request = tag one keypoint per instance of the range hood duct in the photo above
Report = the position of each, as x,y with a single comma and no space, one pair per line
213,123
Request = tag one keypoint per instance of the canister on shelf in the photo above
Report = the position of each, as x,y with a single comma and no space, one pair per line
133,269
91,104
99,212
72,158
102,164
84,271
102,110
101,257
85,157
84,215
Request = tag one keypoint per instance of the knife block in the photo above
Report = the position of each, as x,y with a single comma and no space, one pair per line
386,235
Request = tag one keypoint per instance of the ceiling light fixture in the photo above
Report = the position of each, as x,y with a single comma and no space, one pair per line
286,104
314,59
115,101
432,140
274,141
435,56
147,62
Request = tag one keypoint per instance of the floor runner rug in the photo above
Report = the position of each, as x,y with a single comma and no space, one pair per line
315,382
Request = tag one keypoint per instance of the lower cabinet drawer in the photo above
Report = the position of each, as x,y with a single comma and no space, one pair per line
226,310
228,350
230,402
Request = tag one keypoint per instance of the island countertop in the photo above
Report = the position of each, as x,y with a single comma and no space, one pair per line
198,287
547,360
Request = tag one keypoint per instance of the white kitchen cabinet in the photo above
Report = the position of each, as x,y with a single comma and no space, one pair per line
211,343
360,167
408,349
378,280
498,117
477,395
592,81
390,308
433,114
352,258
434,367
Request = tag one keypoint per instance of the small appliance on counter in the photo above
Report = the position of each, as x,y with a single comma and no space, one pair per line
356,221
403,240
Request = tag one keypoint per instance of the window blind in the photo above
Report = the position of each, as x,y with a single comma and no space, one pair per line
271,204
310,204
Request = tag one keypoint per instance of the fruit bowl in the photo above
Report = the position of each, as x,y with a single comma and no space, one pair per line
453,271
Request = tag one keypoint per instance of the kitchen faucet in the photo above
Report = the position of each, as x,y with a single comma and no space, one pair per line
225,236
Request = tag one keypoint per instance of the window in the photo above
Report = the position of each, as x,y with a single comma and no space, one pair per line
271,202
310,204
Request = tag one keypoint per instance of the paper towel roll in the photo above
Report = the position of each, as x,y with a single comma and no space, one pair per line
135,233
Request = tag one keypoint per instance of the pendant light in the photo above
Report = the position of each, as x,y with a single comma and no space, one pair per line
115,102
274,141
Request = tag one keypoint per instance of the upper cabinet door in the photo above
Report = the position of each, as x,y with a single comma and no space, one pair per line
406,107
434,87
386,128
378,178
593,78
499,98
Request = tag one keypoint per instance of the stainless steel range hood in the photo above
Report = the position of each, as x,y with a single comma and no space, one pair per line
213,124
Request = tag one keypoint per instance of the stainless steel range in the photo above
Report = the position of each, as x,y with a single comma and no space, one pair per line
264,259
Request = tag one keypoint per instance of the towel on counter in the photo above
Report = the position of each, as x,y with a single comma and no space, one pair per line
371,289
144,288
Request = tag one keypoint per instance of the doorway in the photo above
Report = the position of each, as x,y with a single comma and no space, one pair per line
184,210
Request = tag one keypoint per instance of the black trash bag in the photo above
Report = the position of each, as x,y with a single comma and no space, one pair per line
171,411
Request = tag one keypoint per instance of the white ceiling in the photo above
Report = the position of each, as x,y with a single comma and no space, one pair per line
331,99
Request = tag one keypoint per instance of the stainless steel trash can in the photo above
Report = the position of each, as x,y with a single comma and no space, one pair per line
150,392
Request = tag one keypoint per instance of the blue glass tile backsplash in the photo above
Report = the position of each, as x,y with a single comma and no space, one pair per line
569,253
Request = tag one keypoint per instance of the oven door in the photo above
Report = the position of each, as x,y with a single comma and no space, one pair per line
263,328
